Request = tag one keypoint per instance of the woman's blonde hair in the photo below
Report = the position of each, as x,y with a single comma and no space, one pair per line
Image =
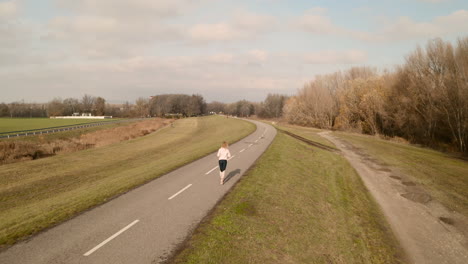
224,145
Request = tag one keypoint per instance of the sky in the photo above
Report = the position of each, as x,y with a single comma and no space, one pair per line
226,51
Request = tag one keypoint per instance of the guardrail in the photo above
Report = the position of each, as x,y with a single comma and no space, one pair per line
49,130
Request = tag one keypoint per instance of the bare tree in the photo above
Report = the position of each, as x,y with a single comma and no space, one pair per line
178,104
4,110
216,107
142,106
87,103
272,106
99,106
72,106
56,107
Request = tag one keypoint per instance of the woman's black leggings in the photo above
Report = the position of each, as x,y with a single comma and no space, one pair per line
222,165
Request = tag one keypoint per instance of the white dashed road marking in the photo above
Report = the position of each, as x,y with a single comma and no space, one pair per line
212,170
179,192
110,238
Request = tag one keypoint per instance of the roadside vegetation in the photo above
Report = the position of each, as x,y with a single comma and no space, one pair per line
299,204
424,101
37,194
444,176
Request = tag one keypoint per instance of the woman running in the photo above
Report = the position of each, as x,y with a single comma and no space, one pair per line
223,156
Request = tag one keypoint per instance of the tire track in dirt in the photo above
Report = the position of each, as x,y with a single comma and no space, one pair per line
309,142
427,231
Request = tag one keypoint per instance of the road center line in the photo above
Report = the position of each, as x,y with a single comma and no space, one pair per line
250,145
256,141
211,170
110,238
241,151
231,157
185,188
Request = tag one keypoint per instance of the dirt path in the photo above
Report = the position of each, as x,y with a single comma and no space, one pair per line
423,226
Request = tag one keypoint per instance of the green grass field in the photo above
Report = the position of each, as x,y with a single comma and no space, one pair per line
37,194
20,124
299,204
445,177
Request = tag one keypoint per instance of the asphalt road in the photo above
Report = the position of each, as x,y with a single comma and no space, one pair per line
147,223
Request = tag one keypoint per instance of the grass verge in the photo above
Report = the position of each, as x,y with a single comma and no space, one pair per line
299,204
65,135
37,194
443,176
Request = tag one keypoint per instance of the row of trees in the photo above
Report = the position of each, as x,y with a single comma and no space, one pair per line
185,105
66,107
160,105
272,107
69,106
56,107
180,104
424,101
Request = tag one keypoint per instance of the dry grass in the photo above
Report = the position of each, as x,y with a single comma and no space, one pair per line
37,194
16,150
299,204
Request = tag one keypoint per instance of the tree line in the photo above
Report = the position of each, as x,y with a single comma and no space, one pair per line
165,105
425,100
56,107
88,104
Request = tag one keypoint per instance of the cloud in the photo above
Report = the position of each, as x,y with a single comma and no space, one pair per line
315,21
100,36
258,55
215,32
215,76
8,9
116,28
16,37
335,57
403,28
243,25
135,9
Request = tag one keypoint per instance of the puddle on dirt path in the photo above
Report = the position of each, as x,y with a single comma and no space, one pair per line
417,197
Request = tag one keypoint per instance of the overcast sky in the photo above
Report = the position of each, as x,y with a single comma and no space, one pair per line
224,50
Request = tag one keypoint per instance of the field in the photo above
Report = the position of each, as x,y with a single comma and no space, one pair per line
37,194
445,177
299,204
20,124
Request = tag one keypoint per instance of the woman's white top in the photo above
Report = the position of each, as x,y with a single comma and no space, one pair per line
224,154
